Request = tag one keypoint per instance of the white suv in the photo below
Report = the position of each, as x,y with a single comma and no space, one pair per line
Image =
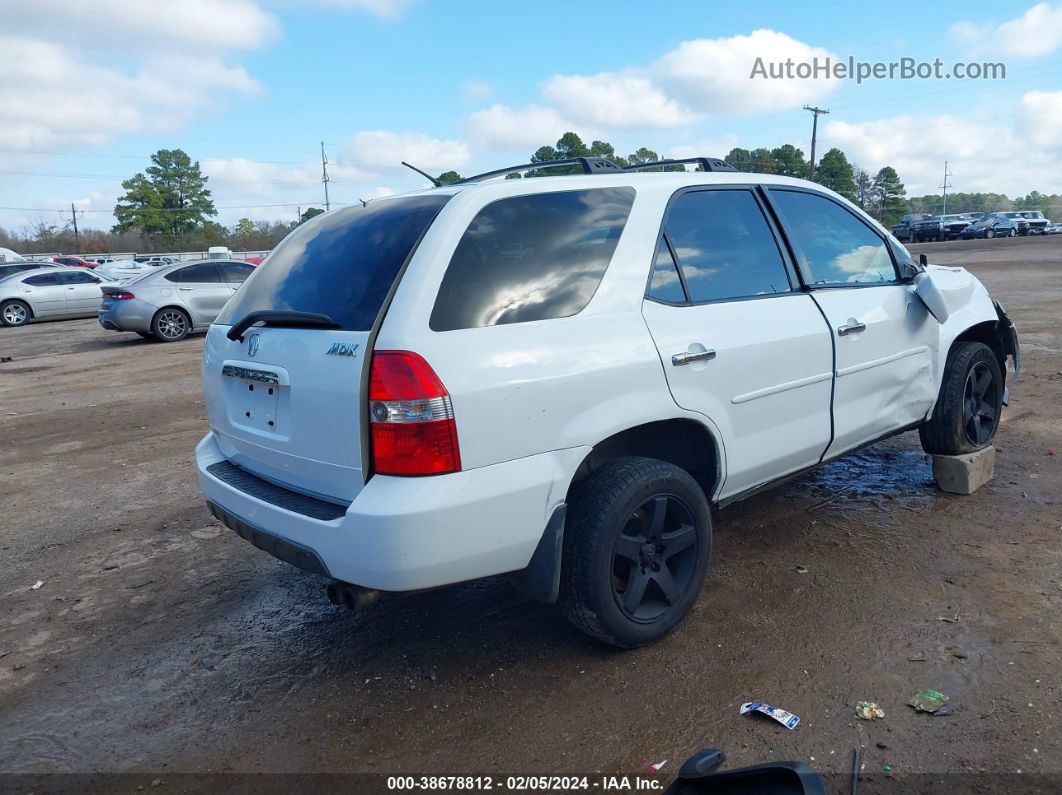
558,377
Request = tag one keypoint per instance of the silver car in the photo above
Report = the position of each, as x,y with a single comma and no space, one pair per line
170,302
49,292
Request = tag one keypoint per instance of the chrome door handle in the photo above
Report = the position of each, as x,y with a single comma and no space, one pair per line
680,359
851,328
186,289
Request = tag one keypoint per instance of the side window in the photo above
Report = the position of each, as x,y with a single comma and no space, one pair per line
725,246
196,274
41,280
76,278
834,246
666,285
533,257
235,272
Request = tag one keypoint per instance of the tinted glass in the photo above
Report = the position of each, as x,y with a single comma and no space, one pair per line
236,271
41,279
76,278
834,246
725,246
531,258
340,264
665,285
198,274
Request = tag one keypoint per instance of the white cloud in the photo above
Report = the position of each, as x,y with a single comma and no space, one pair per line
138,25
713,75
502,127
1040,117
478,89
87,71
713,147
982,155
388,9
50,97
386,148
1036,32
616,99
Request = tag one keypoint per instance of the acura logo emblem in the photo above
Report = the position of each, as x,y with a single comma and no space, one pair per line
252,344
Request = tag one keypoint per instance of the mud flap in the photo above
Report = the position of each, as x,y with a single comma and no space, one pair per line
541,579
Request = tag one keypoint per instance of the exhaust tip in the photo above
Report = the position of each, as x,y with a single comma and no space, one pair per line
352,597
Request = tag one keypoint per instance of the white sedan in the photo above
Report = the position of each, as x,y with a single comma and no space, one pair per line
123,269
49,292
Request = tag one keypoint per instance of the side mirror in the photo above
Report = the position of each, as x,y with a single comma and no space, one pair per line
923,260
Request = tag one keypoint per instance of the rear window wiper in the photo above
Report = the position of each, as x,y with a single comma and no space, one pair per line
274,318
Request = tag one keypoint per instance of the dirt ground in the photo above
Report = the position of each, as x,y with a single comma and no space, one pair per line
162,644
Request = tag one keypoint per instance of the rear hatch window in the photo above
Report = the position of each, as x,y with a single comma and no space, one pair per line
341,264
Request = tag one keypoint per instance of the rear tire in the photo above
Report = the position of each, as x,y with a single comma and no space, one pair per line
636,551
968,409
15,313
171,324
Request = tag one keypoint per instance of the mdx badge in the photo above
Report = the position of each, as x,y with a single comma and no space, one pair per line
341,349
252,344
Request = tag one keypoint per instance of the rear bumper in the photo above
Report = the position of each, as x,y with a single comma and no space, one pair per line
131,315
404,534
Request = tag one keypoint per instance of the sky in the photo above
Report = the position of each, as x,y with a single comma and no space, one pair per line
250,89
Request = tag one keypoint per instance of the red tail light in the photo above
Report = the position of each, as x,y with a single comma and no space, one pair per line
412,421
123,296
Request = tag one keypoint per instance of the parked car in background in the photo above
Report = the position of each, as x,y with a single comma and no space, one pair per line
558,380
219,252
123,269
992,225
103,260
49,292
79,262
907,229
169,303
1053,229
1037,222
156,260
11,268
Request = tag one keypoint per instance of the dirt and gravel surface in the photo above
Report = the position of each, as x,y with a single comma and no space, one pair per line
160,643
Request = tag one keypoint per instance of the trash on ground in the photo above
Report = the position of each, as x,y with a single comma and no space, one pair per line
943,711
37,585
801,569
787,719
1050,452
6,359
657,765
957,651
917,657
868,710
928,700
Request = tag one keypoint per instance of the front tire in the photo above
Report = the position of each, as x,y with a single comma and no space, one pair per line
968,409
636,551
15,313
171,324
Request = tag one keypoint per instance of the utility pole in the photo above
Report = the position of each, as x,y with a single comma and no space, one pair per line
73,220
298,215
945,186
815,113
324,177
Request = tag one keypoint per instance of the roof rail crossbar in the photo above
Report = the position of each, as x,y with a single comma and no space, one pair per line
590,165
706,164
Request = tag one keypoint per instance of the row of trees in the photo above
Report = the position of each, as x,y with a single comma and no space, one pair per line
168,206
881,194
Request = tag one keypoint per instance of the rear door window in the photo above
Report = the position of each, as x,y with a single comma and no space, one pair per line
41,280
77,277
531,257
236,272
197,274
341,264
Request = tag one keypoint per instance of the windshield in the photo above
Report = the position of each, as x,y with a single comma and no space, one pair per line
341,264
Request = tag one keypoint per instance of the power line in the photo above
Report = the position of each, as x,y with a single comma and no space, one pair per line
324,177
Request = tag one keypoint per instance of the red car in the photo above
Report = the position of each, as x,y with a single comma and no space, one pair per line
77,262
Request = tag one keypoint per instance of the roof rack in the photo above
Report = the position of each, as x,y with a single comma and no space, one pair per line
590,165
706,164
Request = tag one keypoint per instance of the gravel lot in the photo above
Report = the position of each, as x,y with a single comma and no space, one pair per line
160,643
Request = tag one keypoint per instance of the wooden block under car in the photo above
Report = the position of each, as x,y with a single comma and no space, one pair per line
964,474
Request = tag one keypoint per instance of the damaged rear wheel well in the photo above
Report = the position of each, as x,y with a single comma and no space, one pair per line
685,443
